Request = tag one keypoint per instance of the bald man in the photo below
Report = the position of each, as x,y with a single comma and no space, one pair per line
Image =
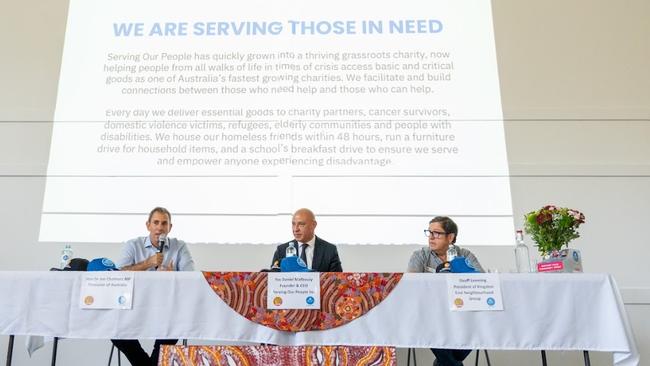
320,255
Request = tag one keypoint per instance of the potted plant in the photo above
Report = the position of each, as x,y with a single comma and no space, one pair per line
553,227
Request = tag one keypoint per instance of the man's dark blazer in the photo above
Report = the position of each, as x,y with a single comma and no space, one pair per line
326,257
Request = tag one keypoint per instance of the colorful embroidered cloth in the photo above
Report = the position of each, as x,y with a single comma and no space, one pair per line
276,356
344,297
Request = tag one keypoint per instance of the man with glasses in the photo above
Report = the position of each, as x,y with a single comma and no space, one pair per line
442,233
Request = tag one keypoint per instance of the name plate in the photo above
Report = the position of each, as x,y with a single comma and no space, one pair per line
474,292
293,290
106,290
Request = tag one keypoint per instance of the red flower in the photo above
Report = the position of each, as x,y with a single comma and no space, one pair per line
543,217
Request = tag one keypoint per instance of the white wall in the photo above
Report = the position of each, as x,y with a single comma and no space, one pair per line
576,95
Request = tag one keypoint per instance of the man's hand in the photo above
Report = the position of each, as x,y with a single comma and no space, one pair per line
154,261
169,267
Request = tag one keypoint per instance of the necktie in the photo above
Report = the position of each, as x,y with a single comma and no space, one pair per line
303,254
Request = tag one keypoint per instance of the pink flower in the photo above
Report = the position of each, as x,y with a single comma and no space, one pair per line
578,216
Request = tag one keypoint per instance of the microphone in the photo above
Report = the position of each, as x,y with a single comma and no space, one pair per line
161,242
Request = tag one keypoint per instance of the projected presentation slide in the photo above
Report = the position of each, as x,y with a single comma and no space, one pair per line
376,115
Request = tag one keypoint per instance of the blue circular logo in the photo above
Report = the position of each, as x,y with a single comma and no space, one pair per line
121,300
490,301
107,262
575,256
309,300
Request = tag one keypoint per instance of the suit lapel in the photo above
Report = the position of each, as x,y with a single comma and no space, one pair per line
318,256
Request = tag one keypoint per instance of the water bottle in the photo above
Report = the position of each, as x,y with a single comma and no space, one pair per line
291,251
66,256
451,252
521,253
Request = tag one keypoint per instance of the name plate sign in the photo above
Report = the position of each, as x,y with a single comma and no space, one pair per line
474,292
106,290
293,290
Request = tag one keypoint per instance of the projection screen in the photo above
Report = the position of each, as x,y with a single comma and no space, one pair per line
377,115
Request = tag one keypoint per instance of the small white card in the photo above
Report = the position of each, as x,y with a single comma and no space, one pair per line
293,290
474,292
106,290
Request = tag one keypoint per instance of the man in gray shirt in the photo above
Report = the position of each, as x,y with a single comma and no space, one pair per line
145,254
442,233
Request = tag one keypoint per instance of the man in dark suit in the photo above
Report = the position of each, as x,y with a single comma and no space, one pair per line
319,255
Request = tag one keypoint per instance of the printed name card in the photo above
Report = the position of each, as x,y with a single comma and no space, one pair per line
106,290
474,292
293,290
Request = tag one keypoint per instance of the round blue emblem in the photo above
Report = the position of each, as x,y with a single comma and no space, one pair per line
490,301
121,300
309,300
575,256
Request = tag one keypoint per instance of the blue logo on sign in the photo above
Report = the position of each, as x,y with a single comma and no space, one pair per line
121,300
575,256
490,301
309,300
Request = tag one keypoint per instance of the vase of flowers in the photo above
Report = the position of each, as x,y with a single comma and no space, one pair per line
553,227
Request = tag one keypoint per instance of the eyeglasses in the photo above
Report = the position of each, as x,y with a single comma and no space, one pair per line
434,234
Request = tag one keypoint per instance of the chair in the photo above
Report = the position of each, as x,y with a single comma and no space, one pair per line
487,357
585,355
478,354
55,345
10,349
408,357
119,356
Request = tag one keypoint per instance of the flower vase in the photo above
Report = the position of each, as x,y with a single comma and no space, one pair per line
565,260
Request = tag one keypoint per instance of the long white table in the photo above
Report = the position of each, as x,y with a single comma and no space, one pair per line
542,312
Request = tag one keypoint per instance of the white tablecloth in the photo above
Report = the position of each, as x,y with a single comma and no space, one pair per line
542,312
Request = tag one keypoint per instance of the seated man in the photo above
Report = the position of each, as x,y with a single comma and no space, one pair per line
442,232
151,253
318,254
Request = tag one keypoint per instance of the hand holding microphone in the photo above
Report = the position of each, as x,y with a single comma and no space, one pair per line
161,242
161,246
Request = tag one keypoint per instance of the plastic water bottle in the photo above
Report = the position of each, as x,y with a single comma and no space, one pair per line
66,256
521,253
291,251
451,252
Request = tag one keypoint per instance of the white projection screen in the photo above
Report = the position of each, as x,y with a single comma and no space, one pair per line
377,115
